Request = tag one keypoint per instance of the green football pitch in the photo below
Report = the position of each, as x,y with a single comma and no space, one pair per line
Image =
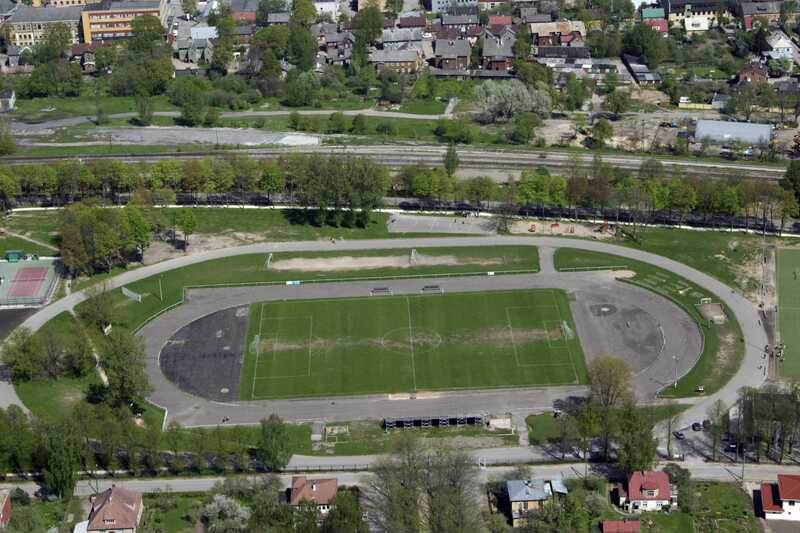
425,342
789,310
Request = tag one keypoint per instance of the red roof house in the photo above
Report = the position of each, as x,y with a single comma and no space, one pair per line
647,491
317,491
660,25
500,20
621,526
781,500
116,509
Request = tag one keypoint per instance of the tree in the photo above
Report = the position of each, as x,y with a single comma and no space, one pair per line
646,42
7,143
59,444
586,423
637,447
265,7
21,352
524,126
359,125
56,41
189,7
502,101
718,416
791,178
186,221
225,515
451,160
123,360
273,443
345,516
337,123
617,102
609,388
601,132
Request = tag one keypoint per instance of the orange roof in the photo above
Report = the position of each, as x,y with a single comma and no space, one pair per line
770,500
789,487
116,508
621,526
500,20
318,491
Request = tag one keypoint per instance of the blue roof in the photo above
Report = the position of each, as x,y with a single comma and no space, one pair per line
522,490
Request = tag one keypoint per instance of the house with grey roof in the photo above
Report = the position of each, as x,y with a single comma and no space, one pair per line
278,18
526,495
462,22
193,50
7,8
498,50
719,131
395,38
28,26
451,54
403,61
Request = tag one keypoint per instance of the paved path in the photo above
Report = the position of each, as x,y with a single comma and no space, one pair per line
745,312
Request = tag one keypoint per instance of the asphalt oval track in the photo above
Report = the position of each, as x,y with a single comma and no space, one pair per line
207,412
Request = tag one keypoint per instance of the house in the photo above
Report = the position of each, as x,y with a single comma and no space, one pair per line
419,22
321,29
452,54
782,47
753,73
203,32
442,6
403,61
461,22
699,15
112,19
84,54
498,50
320,492
245,32
500,20
491,5
646,491
640,72
244,11
116,510
781,500
660,25
531,14
28,26
527,495
651,13
396,38
765,13
5,494
551,33
278,18
193,50
621,526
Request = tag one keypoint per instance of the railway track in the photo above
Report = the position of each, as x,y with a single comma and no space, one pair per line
397,156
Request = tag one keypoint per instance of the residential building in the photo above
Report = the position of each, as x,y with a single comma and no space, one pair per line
244,11
491,5
498,50
781,500
451,54
646,491
500,20
442,6
28,26
321,29
757,13
698,15
650,13
412,22
782,47
7,8
116,510
193,50
640,72
84,54
67,3
753,73
203,32
5,494
531,14
561,32
621,526
403,61
461,22
393,39
320,492
527,495
660,25
111,19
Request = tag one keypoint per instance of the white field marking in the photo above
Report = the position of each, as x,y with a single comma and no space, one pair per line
258,353
308,354
569,350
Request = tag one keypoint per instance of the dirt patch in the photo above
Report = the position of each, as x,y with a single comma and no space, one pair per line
537,227
713,312
465,442
346,263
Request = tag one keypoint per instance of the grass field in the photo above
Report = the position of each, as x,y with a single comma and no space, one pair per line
789,310
165,290
15,243
410,343
722,347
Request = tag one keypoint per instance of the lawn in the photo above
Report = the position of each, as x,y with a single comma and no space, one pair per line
33,109
15,243
166,290
423,107
789,310
172,512
44,226
410,343
722,347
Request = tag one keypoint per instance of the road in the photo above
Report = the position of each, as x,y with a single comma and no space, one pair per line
496,163
701,471
746,313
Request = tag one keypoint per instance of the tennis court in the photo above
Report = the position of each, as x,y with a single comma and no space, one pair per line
27,283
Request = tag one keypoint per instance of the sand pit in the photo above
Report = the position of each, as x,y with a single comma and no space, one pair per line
569,229
333,264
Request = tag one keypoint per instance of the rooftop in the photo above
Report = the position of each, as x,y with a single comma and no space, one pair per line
746,132
789,487
115,508
46,14
638,482
318,491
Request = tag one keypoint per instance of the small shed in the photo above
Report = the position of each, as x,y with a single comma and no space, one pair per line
15,256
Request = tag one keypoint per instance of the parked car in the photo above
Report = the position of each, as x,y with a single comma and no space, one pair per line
697,426
679,435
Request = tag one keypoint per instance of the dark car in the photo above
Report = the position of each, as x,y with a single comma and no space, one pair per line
679,435
697,426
